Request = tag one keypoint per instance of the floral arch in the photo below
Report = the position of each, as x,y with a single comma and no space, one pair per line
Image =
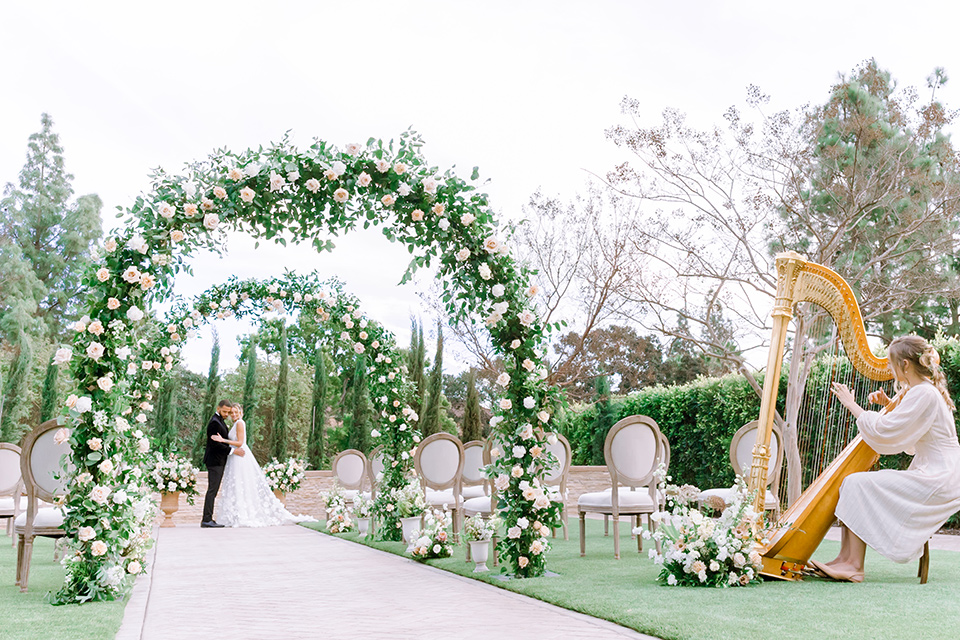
278,193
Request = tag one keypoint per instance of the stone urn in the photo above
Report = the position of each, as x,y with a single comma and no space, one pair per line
169,504
411,527
281,496
480,551
363,526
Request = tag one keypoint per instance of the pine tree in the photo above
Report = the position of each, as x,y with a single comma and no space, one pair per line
359,424
430,420
280,410
15,392
472,429
603,421
54,237
50,399
250,387
316,449
209,399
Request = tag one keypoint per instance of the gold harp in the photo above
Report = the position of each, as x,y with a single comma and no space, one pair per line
802,527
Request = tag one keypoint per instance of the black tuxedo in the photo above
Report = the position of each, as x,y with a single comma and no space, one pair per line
214,458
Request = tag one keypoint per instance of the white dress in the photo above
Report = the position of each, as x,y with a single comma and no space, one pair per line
246,499
896,512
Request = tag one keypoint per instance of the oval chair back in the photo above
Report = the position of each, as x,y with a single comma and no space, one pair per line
473,463
439,461
632,451
349,468
40,463
11,478
564,454
665,452
374,468
741,452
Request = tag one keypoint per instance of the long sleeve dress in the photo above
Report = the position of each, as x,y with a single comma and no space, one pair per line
896,512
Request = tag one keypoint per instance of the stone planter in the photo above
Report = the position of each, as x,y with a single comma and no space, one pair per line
363,526
480,551
411,526
169,504
280,496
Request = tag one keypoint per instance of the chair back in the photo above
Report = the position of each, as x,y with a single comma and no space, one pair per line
665,452
473,463
10,474
564,454
439,461
374,468
40,463
741,451
632,451
349,467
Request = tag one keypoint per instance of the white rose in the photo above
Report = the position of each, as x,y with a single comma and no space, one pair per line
463,254
444,224
105,383
252,169
506,404
491,244
518,451
62,435
276,181
529,403
103,274
95,350
498,290
247,194
341,195
133,567
313,185
503,379
100,494
467,218
62,356
513,533
484,270
131,275
527,318
166,210
98,548
86,533
211,221
364,179
430,185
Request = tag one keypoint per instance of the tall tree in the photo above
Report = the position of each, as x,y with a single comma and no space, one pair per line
53,235
416,358
316,449
280,407
165,433
430,420
49,400
210,399
360,419
250,387
603,422
472,429
15,393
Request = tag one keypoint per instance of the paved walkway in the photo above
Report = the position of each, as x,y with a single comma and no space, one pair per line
290,582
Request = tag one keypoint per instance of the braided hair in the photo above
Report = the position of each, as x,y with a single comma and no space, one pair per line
925,358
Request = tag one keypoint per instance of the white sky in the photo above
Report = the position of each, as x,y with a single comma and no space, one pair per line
524,90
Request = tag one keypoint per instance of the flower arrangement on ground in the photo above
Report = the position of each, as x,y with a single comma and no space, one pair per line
285,476
173,472
408,501
703,551
476,528
362,507
338,514
433,540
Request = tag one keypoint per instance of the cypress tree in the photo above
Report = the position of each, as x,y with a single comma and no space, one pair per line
49,399
359,427
430,420
250,387
471,413
209,399
280,407
165,434
315,445
415,362
15,392
603,421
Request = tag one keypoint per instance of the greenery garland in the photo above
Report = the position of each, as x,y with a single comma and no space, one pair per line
282,193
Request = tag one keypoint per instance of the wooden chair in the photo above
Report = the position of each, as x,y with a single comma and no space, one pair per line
741,457
12,500
39,463
474,484
665,459
632,451
556,478
349,469
439,464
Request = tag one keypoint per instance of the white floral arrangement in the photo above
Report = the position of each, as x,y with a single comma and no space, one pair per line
433,541
362,507
285,476
173,472
702,551
408,500
338,513
477,528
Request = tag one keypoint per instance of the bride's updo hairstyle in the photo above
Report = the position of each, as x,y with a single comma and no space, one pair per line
926,360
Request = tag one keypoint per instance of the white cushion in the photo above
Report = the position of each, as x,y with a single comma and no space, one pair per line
478,505
349,494
364,494
45,518
476,491
628,500
6,504
769,502
440,498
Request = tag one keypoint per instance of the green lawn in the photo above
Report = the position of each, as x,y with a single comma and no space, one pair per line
27,616
889,604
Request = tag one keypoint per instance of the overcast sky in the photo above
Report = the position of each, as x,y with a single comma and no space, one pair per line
524,90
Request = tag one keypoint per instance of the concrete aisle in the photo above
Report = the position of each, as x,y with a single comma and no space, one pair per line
289,582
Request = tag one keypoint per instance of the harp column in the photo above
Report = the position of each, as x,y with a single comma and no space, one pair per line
789,269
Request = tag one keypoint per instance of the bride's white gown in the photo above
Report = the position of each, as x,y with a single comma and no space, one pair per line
246,499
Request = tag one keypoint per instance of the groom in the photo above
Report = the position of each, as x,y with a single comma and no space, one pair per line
215,459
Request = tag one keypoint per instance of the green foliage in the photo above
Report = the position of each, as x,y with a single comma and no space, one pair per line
210,399
16,406
416,359
50,237
471,414
50,399
316,454
281,411
430,421
603,421
250,387
165,425
359,434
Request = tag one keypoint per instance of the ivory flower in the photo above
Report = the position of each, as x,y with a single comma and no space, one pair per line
133,567
416,215
220,193
491,244
207,204
62,435
529,403
71,401
503,379
467,218
247,194
276,181
527,318
105,383
404,190
95,350
166,210
513,533
506,404
516,471
100,494
147,281
312,185
430,185
354,149
98,548
211,221
86,533
439,208
400,168
532,291
103,274
484,270
523,561
463,254
110,245
518,451
528,364
131,275
63,356
364,179
515,344
388,200
235,174
526,432
134,314
358,347
341,195
502,482
191,209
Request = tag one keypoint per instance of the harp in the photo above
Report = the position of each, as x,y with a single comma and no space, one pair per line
802,527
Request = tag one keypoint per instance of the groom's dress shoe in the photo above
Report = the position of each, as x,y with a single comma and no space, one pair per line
210,524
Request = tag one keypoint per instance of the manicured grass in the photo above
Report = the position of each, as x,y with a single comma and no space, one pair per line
27,616
889,604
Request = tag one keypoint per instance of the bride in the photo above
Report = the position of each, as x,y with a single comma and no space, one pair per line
246,499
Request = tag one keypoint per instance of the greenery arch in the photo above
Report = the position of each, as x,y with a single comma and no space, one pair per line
279,193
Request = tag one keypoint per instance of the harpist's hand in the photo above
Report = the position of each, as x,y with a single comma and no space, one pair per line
846,398
879,397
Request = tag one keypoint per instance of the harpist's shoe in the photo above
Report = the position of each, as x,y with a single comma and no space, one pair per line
826,571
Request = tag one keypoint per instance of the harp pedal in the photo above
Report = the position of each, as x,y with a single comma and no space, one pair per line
782,569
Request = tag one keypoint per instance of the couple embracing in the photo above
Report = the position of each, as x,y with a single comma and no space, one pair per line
247,499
